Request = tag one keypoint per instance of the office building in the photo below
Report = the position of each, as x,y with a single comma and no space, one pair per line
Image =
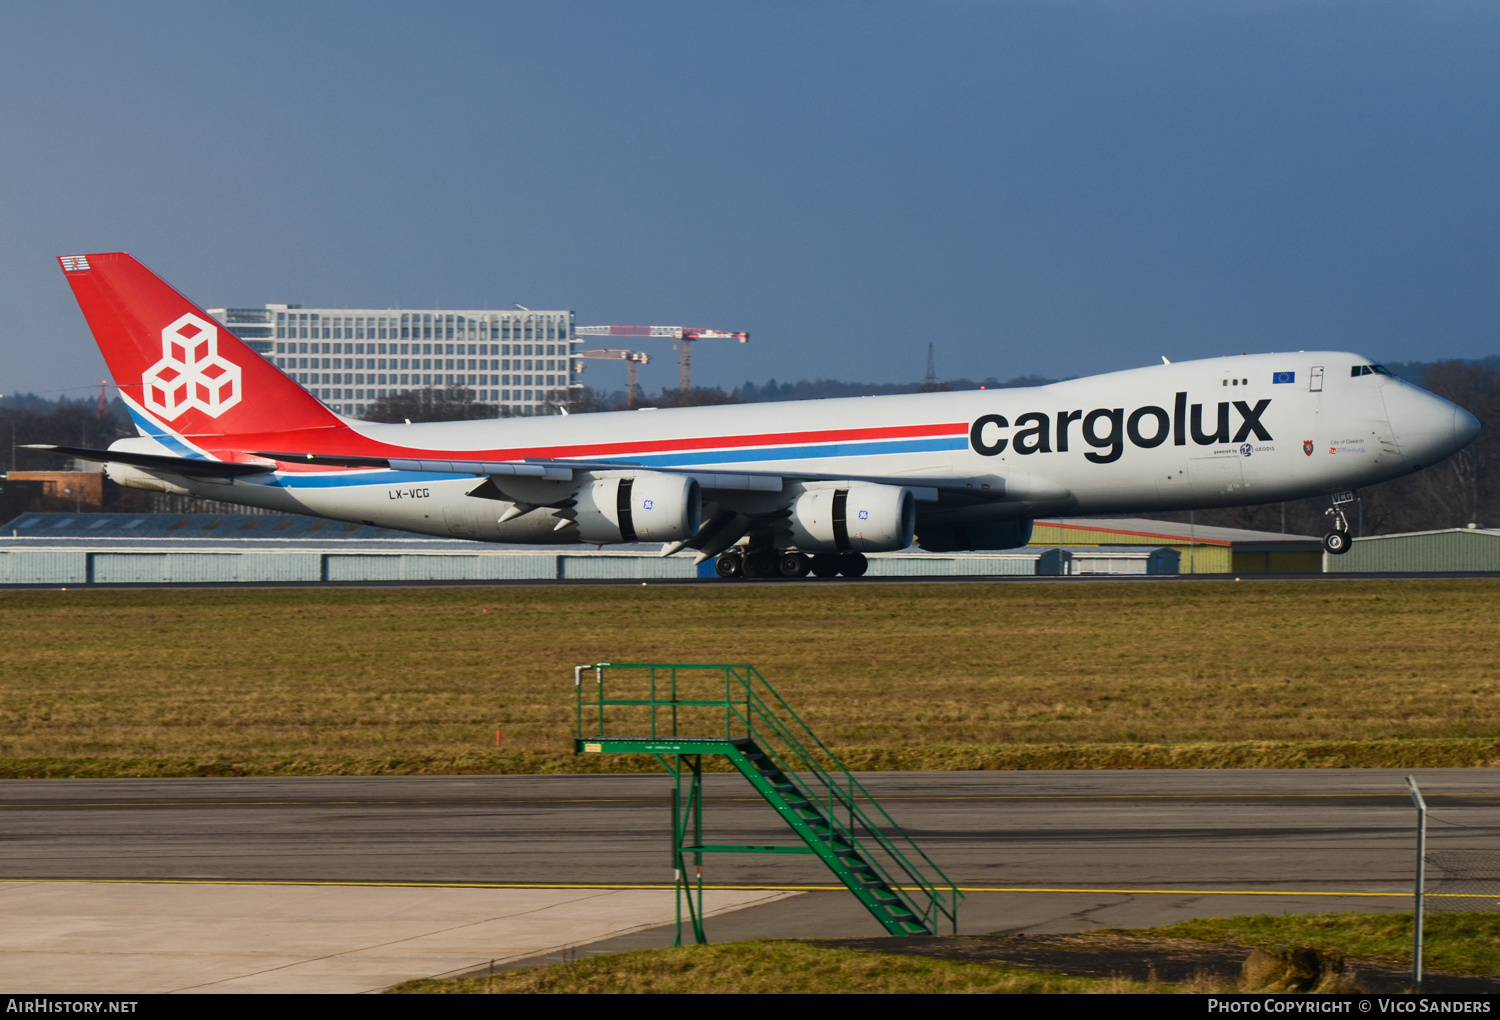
517,361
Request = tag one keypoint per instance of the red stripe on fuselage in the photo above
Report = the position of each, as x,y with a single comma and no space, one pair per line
733,442
347,442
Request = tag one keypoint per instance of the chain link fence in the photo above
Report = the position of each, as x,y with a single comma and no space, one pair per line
1463,880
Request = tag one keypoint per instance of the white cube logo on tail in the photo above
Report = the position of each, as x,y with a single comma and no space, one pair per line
190,372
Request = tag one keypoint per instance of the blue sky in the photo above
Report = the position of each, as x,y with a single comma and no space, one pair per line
1056,188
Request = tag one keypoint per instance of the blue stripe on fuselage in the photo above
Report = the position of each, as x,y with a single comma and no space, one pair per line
726,458
730,457
154,431
290,480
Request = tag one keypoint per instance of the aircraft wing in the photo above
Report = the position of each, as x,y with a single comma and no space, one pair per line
547,469
188,466
531,467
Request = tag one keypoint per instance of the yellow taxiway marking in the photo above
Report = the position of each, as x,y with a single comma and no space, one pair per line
914,798
729,888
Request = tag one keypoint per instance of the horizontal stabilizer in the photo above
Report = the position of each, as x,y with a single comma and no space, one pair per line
158,462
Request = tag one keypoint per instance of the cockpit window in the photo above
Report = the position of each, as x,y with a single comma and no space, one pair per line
1369,370
1381,370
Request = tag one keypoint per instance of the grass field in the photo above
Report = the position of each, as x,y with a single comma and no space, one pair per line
1461,943
1211,673
788,968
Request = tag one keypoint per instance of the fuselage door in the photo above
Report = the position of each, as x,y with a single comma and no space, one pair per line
1315,379
460,520
1217,480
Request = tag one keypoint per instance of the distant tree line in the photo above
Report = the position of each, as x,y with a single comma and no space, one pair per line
452,403
804,389
818,389
28,418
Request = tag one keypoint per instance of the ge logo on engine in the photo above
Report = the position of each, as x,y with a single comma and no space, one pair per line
191,373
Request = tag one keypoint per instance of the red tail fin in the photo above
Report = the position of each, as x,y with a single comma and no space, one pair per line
177,365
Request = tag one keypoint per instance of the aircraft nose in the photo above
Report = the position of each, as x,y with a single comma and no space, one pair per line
1426,426
1465,427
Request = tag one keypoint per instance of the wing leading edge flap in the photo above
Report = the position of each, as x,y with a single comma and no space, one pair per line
552,471
158,462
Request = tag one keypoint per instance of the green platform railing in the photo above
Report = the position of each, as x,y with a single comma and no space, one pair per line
680,712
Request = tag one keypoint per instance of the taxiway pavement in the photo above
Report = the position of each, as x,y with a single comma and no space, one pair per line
1040,851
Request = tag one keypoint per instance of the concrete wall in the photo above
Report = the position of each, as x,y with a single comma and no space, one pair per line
233,566
957,565
1082,561
62,566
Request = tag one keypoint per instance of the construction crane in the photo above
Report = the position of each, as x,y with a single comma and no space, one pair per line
684,336
633,360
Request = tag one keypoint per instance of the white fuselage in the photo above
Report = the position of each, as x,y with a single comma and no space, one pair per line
1125,442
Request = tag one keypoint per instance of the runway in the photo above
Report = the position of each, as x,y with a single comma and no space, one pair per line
632,582
1041,851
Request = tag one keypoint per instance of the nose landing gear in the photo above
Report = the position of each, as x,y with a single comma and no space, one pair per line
1336,541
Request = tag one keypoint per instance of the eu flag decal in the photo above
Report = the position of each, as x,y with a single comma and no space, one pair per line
1283,377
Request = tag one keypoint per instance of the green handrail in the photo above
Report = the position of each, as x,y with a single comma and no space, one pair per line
874,831
795,749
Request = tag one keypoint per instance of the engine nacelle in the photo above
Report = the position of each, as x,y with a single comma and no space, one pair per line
979,535
860,516
650,507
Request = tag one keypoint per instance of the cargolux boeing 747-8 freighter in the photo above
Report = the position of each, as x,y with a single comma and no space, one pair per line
778,489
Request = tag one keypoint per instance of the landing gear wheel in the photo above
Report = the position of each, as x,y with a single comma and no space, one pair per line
760,564
825,565
728,565
853,564
1337,540
794,564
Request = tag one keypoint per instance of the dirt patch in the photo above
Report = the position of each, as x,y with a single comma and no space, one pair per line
1208,965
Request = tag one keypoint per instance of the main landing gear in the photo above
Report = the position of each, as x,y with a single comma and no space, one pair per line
765,563
1336,541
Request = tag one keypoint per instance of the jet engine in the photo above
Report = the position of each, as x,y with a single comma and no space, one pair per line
650,507
860,516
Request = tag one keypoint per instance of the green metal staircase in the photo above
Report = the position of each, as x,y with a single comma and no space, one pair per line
756,732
